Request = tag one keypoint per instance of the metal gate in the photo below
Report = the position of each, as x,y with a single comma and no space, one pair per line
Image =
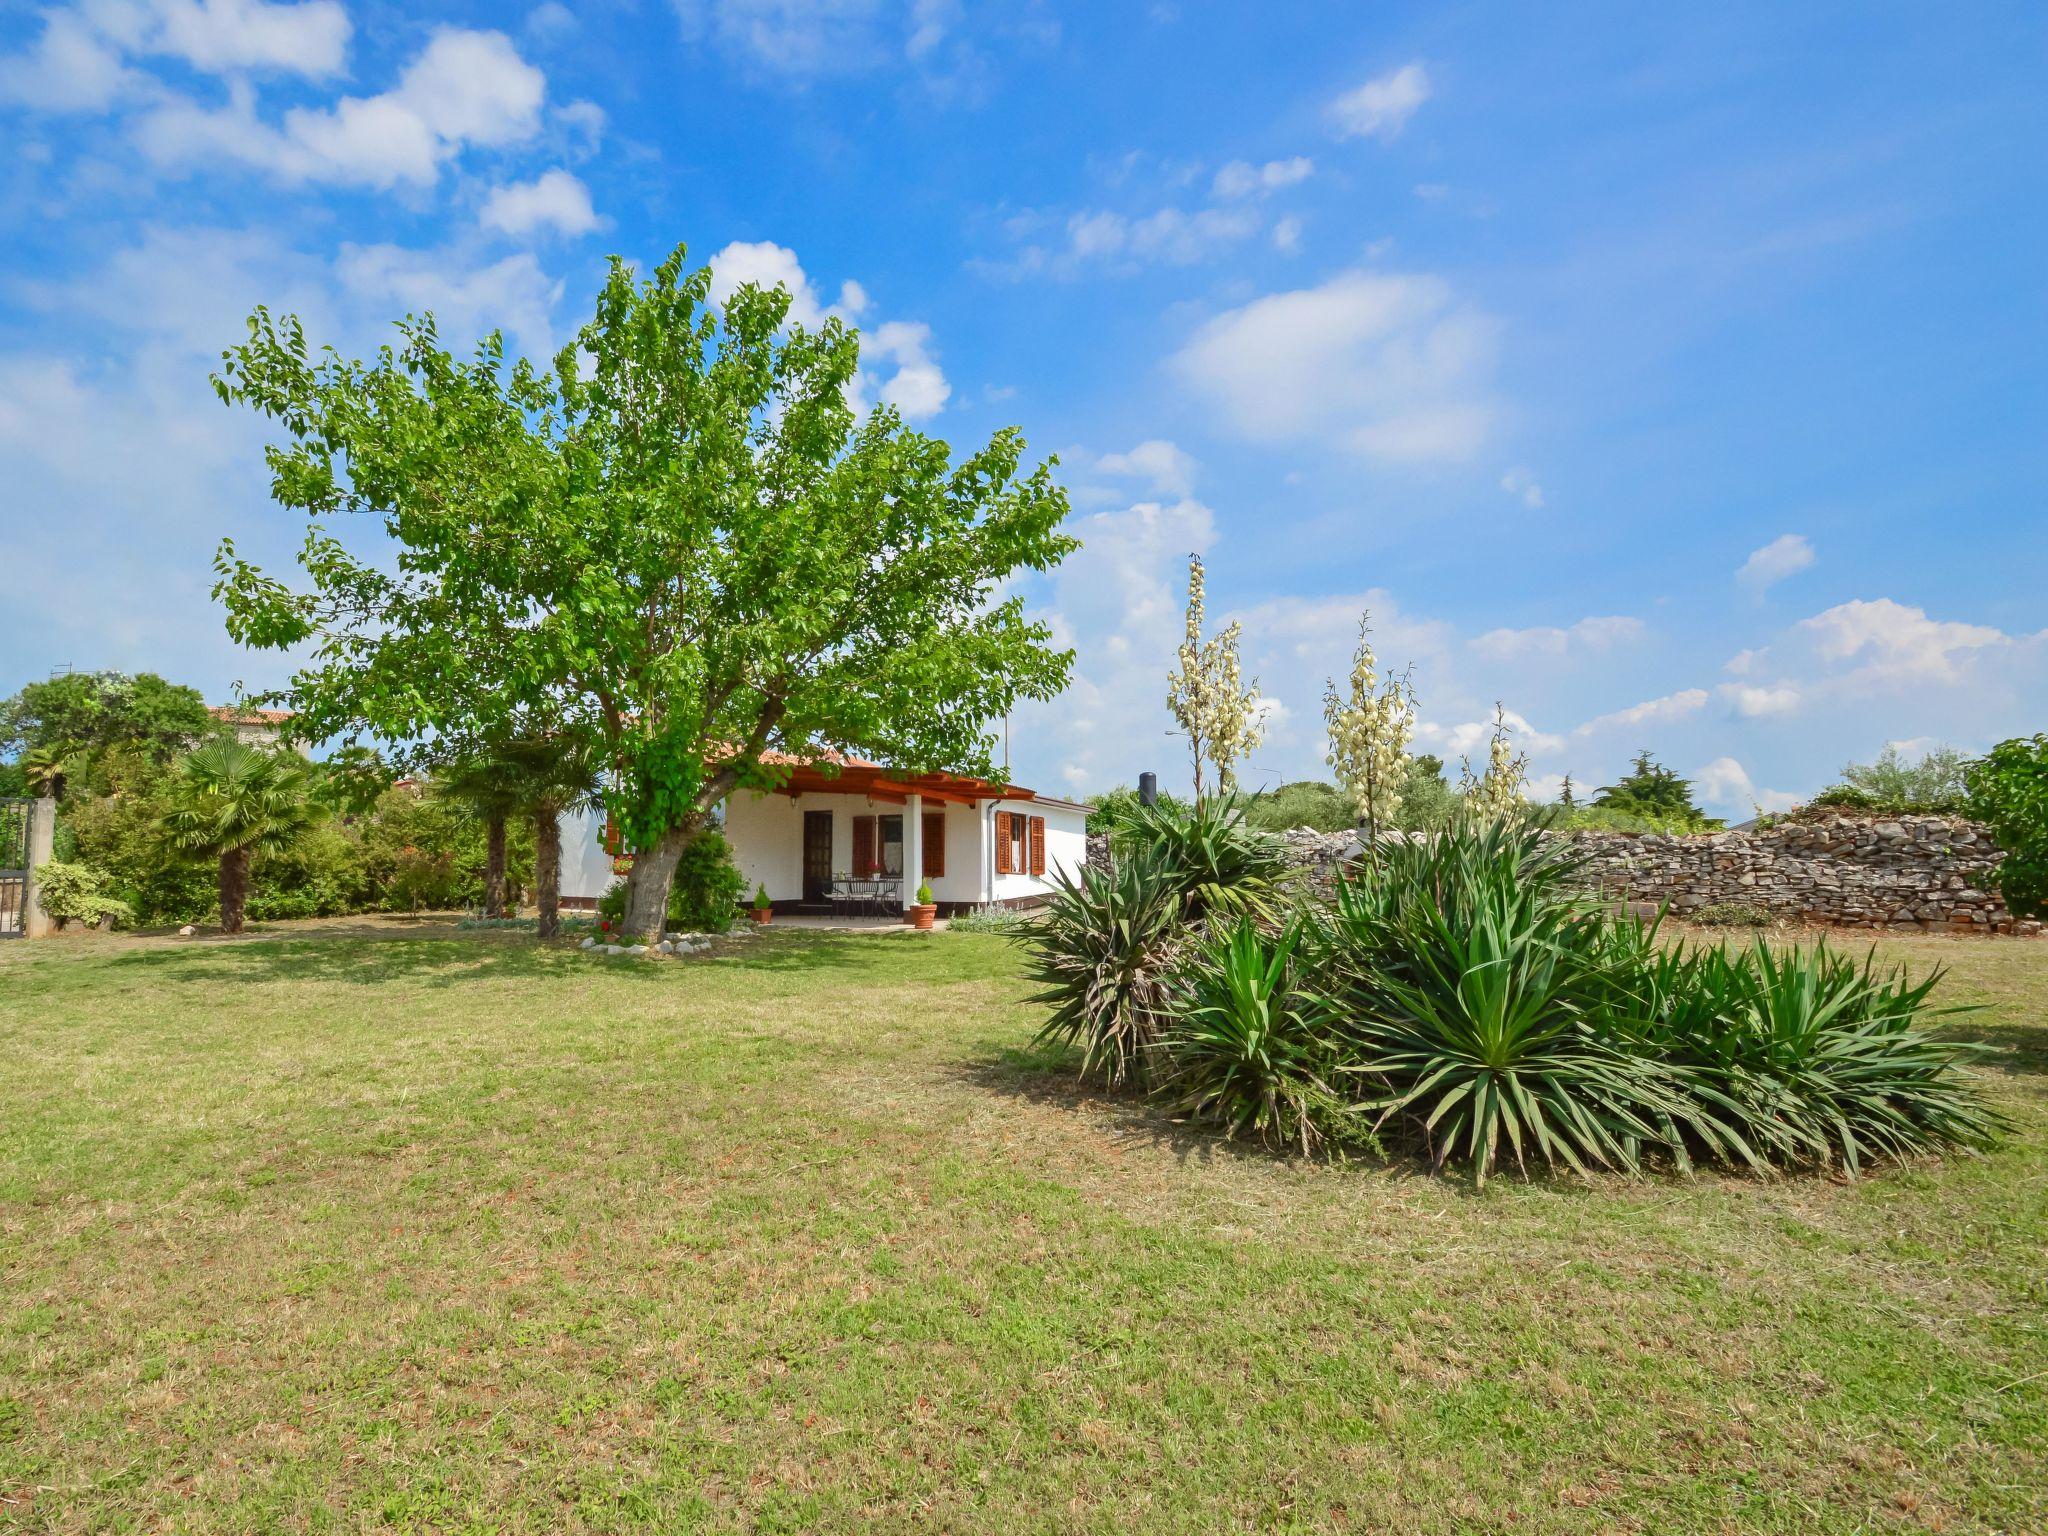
16,817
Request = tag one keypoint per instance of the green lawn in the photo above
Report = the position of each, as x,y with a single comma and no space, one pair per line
448,1233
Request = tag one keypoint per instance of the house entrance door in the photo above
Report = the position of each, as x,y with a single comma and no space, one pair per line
817,856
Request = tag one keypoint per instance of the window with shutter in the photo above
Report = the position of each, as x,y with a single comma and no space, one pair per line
1038,845
864,862
1004,865
934,845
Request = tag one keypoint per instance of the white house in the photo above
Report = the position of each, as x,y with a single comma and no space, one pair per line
841,834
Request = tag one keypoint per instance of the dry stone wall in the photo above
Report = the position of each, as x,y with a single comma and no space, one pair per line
1906,872
1925,873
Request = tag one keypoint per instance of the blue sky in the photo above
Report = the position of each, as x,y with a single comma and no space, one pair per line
1672,376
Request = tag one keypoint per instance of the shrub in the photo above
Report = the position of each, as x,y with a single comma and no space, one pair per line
1250,1050
1213,858
1104,947
78,893
1462,994
705,895
1112,810
1307,803
992,919
2009,791
1730,914
1935,782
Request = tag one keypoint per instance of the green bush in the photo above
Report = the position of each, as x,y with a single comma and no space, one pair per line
1462,997
705,895
1306,803
1730,914
2009,792
1104,946
1213,857
78,893
1248,1049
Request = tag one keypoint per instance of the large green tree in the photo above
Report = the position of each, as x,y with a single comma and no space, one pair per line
230,802
679,545
1654,792
83,717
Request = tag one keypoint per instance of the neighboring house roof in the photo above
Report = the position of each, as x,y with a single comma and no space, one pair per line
232,715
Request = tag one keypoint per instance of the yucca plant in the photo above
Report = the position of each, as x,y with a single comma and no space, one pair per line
1829,1063
1251,1050
1105,948
1218,862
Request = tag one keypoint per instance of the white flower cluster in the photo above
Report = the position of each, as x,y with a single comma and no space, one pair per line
1369,734
1217,713
1499,791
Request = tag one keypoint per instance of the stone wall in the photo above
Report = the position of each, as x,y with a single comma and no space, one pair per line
1928,873
1908,872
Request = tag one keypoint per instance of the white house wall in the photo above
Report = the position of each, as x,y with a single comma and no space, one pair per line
1066,848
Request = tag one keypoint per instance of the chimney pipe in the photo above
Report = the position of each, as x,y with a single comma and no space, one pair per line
1148,789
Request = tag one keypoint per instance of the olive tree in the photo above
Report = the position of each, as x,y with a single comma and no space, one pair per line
679,545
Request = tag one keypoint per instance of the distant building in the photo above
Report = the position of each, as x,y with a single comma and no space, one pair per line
253,727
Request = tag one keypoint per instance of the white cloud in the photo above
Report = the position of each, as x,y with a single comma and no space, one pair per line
1725,784
915,385
1521,484
1169,235
309,38
1240,178
512,295
76,64
1755,701
1593,633
1896,643
556,200
70,68
1117,601
1287,234
1470,737
1166,468
1381,107
464,88
1386,365
1786,555
801,40
1672,706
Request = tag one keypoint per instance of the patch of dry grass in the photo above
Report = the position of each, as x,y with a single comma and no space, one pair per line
450,1233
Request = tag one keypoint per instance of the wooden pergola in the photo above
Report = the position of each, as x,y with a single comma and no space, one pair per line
851,776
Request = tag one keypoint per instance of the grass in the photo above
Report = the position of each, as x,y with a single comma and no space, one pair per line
430,1231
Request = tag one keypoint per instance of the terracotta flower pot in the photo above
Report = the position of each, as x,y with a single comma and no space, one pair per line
762,914
921,915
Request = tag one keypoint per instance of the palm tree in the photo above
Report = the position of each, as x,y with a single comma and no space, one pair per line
45,768
487,783
232,802
554,773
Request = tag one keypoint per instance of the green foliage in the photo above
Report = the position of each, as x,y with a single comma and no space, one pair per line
1464,997
1427,800
1936,782
78,893
1009,921
1112,810
230,798
1104,948
708,886
1730,914
2009,792
93,713
1248,1049
1304,803
1657,795
1214,858
611,907
761,898
924,895
1607,818
678,546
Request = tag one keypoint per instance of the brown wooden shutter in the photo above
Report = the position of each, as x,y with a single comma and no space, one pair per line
1003,843
934,845
863,847
1038,845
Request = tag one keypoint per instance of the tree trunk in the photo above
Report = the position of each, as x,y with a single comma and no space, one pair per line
234,889
547,870
494,867
654,870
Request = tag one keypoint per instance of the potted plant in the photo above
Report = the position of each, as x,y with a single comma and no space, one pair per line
763,907
926,909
